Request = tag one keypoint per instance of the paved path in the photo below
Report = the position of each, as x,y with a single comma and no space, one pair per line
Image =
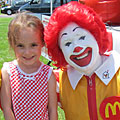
5,15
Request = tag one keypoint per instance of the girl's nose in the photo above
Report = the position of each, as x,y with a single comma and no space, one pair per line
77,49
27,51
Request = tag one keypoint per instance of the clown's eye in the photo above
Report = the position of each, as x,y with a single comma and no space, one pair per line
68,44
82,38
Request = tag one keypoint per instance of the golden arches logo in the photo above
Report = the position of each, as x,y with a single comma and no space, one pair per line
113,108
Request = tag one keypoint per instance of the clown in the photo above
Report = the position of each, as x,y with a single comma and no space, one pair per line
89,78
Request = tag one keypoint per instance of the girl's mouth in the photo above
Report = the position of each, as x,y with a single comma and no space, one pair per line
28,58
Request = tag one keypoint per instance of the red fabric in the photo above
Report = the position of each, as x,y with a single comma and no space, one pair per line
0,106
56,72
110,41
109,10
58,97
110,108
29,93
91,92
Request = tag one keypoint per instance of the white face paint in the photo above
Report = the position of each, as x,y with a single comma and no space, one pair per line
79,47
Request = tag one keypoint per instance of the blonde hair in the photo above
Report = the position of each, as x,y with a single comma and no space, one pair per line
21,21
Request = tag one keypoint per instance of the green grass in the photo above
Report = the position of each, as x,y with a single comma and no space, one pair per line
4,48
7,55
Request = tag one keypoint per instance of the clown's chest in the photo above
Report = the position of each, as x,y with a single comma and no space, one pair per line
92,99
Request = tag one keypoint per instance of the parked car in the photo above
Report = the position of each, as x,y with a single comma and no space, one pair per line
41,6
9,10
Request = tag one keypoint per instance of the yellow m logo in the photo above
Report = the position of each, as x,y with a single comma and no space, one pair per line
113,108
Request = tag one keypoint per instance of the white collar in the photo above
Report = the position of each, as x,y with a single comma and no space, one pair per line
105,72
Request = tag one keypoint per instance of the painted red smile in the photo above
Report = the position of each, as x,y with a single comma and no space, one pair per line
84,58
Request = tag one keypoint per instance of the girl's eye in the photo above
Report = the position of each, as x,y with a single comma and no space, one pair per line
20,45
82,38
33,45
68,44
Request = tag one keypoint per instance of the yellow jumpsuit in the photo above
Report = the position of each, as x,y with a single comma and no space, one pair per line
83,103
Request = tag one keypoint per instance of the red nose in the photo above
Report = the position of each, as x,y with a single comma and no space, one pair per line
77,49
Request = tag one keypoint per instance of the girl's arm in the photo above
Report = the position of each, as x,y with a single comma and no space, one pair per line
52,99
6,102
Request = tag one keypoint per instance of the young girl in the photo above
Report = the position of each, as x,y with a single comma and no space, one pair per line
28,90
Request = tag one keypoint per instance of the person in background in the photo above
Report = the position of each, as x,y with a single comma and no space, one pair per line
28,88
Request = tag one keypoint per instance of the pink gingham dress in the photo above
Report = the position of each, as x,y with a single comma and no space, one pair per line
29,92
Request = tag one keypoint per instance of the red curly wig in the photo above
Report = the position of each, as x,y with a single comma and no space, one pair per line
82,15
